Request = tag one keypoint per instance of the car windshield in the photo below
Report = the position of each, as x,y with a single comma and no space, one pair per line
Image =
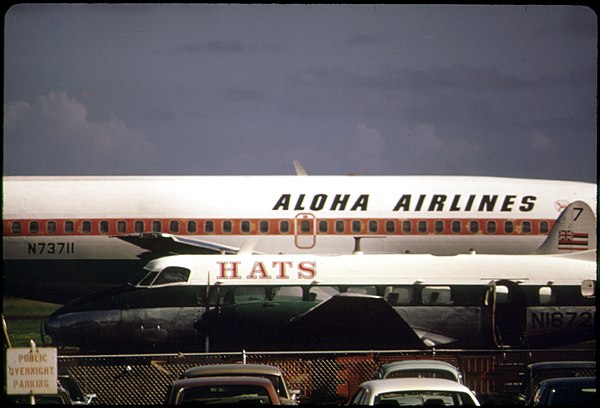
572,396
424,398
225,394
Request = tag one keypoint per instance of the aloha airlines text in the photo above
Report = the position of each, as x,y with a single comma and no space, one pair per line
408,202
262,270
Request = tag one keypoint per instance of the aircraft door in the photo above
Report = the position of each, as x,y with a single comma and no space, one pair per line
305,231
508,314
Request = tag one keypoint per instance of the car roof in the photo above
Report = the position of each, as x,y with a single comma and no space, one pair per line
224,369
410,364
191,382
413,384
568,382
561,364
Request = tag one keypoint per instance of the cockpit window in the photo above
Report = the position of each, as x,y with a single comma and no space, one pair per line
141,276
147,280
172,274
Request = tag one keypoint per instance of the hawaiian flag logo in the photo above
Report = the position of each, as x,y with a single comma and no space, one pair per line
574,241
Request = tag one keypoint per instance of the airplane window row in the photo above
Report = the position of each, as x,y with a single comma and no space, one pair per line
287,226
427,295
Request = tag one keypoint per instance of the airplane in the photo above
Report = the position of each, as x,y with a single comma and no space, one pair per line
64,237
337,302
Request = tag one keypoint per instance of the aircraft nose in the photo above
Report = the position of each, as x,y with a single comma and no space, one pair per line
53,327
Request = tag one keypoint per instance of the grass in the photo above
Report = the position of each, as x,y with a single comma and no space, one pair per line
24,319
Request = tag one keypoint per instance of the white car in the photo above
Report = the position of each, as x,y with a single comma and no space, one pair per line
419,368
413,391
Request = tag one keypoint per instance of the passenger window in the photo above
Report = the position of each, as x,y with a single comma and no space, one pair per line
363,290
104,227
244,294
321,293
436,295
305,226
227,227
172,274
526,227
509,227
323,226
373,227
15,227
86,227
339,226
398,295
491,227
390,227
69,227
174,226
263,227
474,227
34,227
121,227
406,227
192,226
546,295
455,227
245,227
209,227
356,226
156,226
51,227
287,293
284,226
422,227
439,226
139,226
544,227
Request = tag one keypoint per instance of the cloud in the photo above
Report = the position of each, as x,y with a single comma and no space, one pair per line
366,144
55,129
391,77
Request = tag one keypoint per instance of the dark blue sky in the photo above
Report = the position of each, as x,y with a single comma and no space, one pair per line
246,89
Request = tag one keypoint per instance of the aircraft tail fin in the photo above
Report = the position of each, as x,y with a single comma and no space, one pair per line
299,169
574,232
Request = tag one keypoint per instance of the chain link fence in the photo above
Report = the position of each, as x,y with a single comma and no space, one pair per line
321,378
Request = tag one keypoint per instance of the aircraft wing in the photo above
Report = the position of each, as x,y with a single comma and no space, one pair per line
158,243
354,321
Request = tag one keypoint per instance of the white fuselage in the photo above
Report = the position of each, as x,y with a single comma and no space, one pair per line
68,224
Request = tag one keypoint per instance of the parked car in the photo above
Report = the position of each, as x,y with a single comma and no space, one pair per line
537,372
419,368
413,391
77,395
255,370
565,391
223,390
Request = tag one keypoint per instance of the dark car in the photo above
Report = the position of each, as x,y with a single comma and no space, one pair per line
537,372
223,390
565,391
